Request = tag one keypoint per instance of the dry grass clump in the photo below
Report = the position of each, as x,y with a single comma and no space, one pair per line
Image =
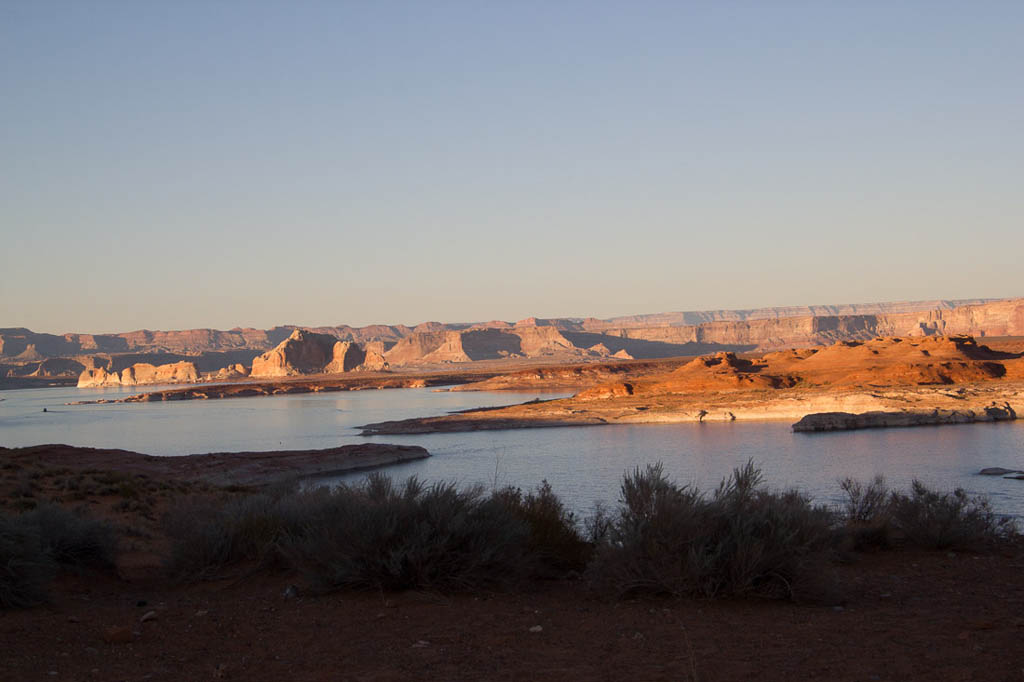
743,539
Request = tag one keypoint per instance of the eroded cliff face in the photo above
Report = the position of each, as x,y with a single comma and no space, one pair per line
1001,318
569,339
140,374
302,352
477,343
305,352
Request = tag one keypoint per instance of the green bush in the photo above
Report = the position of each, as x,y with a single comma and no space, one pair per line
743,539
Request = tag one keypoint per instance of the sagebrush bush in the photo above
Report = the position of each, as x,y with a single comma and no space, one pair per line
955,520
71,539
34,545
742,539
879,517
25,570
865,502
207,536
414,536
866,511
380,534
555,537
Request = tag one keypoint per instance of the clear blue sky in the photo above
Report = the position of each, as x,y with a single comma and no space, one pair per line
220,163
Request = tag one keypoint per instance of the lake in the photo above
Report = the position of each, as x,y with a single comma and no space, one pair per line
583,464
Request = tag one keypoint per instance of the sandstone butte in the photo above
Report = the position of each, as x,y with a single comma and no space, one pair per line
139,374
952,379
305,352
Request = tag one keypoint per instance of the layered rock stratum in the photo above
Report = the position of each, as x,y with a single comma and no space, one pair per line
275,353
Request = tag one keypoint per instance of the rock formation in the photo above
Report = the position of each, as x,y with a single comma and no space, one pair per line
641,336
140,374
305,352
236,371
345,357
606,391
845,421
57,367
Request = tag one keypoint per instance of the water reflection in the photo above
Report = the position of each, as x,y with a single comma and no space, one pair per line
583,464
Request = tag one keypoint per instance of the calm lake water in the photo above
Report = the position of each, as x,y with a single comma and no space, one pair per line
583,464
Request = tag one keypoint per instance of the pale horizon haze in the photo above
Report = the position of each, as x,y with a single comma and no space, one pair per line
171,165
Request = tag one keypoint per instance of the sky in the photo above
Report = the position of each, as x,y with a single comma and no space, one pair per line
223,163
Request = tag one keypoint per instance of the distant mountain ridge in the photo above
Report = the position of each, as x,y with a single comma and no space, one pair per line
702,316
291,350
18,341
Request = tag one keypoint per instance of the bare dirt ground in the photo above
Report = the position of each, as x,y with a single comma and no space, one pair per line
904,616
896,615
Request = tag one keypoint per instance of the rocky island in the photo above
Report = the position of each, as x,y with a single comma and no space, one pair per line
882,382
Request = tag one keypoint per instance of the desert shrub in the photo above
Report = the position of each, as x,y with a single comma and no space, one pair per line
377,533
25,570
34,545
380,535
742,539
867,511
555,538
955,520
71,539
208,536
879,517
865,502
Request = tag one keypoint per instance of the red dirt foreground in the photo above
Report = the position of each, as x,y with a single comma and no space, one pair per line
894,615
903,616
